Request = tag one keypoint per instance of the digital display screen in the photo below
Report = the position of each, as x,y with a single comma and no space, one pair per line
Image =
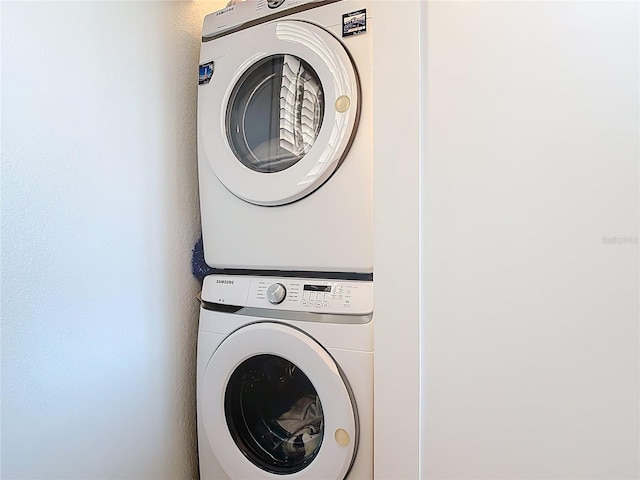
317,288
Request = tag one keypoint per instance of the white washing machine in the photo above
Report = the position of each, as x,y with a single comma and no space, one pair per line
285,379
285,137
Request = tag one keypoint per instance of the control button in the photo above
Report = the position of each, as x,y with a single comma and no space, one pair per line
276,293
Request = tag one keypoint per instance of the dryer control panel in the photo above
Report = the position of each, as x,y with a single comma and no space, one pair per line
344,297
239,14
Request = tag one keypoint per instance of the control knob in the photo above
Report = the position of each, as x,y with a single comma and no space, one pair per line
276,293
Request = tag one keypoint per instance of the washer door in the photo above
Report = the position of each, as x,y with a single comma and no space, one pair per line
280,111
274,405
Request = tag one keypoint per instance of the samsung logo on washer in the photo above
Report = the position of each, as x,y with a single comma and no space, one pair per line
225,282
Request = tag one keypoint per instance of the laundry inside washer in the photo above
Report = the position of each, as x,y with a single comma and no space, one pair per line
274,414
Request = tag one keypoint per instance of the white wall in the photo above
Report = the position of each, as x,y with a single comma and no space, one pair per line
531,338
396,157
99,214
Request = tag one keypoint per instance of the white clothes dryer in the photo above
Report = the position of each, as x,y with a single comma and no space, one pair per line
285,379
284,137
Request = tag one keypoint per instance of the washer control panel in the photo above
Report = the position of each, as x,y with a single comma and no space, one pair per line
350,297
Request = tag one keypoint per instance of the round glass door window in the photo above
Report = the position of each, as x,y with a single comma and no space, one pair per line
274,414
274,114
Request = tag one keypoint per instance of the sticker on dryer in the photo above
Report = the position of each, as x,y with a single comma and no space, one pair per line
206,72
354,23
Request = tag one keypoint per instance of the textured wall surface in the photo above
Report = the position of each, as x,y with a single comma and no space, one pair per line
99,214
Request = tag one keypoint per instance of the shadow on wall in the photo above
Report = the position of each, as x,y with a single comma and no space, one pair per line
99,216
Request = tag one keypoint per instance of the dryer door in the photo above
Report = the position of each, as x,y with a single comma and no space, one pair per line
280,111
274,405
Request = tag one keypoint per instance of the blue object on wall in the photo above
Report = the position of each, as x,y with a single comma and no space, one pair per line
199,267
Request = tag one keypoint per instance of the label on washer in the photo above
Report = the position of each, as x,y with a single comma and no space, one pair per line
206,72
354,23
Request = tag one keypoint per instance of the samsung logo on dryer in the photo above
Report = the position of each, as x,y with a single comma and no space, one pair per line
222,12
225,282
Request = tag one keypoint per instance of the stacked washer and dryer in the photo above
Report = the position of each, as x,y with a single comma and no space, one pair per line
285,342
